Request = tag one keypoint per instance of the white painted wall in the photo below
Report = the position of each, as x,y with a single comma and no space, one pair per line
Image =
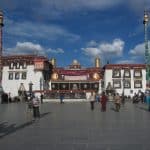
108,78
12,86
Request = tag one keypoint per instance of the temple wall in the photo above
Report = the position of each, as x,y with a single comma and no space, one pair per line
127,91
12,86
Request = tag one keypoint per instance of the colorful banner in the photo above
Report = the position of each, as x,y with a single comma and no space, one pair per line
73,72
75,77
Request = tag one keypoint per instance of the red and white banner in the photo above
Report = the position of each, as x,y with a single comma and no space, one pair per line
75,77
73,72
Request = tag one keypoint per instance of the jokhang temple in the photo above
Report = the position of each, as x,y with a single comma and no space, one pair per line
75,81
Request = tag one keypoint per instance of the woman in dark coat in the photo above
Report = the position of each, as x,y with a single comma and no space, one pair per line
103,102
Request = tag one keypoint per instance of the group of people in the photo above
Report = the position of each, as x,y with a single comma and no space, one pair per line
103,99
139,97
118,100
142,97
6,98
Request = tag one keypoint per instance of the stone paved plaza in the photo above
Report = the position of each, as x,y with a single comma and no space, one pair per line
73,126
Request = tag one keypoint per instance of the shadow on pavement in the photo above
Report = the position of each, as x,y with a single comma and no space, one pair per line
44,114
6,129
113,109
142,108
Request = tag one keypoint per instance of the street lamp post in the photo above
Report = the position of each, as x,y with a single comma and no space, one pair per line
1,92
147,51
41,84
30,89
123,84
1,47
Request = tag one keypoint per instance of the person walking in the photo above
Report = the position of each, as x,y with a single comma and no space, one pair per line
142,97
41,98
36,105
135,98
103,102
148,100
97,97
117,100
122,99
61,98
92,100
29,109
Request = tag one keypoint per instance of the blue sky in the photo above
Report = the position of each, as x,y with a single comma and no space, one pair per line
76,29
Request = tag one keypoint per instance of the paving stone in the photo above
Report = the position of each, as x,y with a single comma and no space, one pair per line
73,126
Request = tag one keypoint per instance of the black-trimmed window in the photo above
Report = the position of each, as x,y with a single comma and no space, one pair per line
138,84
55,86
24,75
11,65
17,65
64,86
24,65
116,73
127,84
127,73
10,76
95,86
85,86
74,86
17,75
116,84
137,73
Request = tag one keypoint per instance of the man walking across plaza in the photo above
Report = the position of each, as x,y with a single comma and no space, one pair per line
117,101
41,98
92,100
36,104
61,98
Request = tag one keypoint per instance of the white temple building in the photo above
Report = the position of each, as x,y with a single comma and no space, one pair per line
20,72
125,78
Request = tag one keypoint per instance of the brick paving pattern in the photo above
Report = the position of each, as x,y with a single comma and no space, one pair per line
73,126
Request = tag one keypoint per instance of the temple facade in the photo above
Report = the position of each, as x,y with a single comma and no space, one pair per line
38,74
75,81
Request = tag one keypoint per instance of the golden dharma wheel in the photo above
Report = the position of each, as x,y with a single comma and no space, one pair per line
55,76
97,62
96,76
53,61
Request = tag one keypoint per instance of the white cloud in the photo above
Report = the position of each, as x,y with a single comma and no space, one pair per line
137,54
56,51
33,30
25,48
138,50
28,45
73,5
31,48
91,51
114,49
125,61
105,50
92,43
